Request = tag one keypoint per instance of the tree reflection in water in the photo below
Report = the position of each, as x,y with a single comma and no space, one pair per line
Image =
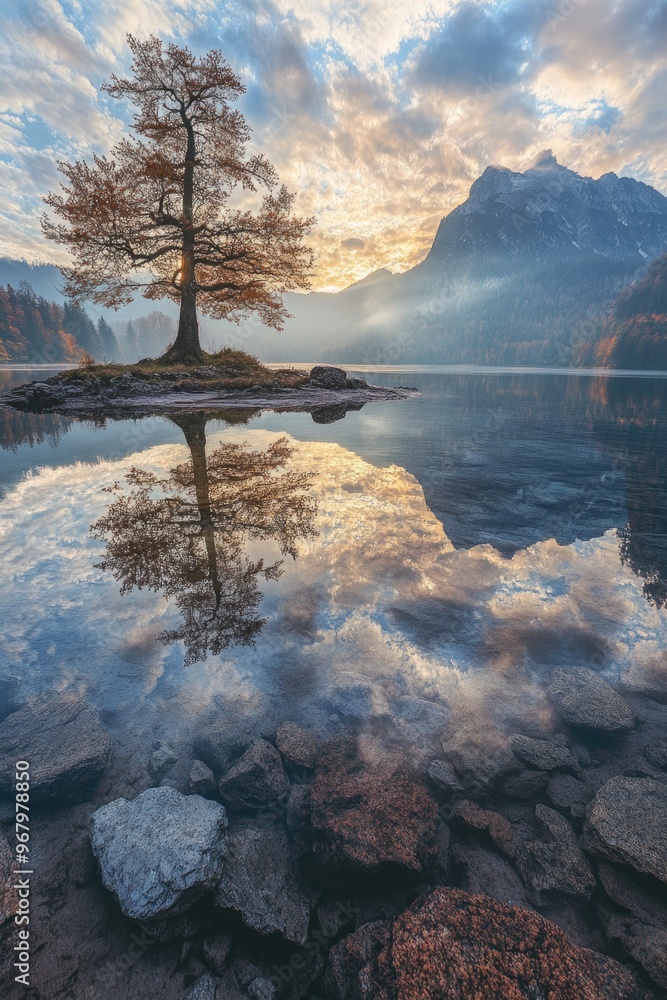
186,535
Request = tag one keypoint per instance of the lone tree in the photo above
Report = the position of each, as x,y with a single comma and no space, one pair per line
157,216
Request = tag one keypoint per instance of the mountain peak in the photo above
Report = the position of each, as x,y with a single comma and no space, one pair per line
544,159
379,275
549,211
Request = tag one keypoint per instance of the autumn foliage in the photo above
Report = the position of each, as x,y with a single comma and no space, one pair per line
33,329
157,216
635,333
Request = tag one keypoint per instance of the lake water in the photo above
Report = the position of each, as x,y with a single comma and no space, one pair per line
454,546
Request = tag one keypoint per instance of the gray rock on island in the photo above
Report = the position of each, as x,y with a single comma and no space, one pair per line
161,852
587,701
328,377
64,742
627,822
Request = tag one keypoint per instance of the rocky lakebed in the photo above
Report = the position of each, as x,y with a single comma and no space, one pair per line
387,854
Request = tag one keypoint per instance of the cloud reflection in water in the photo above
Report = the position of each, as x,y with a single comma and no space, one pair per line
379,591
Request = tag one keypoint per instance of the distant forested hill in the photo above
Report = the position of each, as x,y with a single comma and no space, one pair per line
635,333
36,330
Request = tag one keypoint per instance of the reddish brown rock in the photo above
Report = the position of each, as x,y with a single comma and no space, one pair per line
451,945
368,810
499,829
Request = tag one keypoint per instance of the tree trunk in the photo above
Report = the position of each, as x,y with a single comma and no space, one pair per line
186,348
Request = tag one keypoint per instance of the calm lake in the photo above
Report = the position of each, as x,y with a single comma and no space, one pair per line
454,546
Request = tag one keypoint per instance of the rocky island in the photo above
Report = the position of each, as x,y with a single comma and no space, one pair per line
229,379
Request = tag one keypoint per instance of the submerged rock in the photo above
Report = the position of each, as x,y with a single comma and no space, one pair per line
263,883
420,722
64,742
297,816
645,944
357,698
656,754
351,969
454,945
525,785
160,852
627,822
543,755
161,761
498,828
485,871
296,745
587,701
557,865
641,927
201,779
482,757
444,776
368,810
203,989
216,951
257,779
261,989
567,792
215,747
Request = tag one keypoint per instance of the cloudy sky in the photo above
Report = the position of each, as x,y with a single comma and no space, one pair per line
379,113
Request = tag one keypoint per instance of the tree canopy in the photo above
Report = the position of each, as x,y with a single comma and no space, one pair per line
158,217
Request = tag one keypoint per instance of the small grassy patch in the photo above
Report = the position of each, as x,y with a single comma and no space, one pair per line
228,368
